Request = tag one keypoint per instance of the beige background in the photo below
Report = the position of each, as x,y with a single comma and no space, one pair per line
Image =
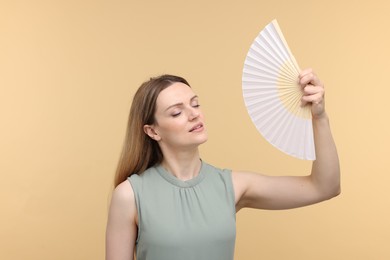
68,70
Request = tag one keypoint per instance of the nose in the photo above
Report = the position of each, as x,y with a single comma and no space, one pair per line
194,113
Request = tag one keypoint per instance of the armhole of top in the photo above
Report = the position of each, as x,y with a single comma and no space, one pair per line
136,198
227,175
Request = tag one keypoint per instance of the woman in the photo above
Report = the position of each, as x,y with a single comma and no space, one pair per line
169,204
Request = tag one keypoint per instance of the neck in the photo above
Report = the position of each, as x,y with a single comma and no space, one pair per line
184,165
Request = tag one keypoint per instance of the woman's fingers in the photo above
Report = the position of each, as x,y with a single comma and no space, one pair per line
313,91
315,98
308,77
310,89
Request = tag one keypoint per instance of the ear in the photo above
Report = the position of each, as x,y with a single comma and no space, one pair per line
151,132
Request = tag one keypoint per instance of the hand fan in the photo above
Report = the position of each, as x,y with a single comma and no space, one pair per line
272,94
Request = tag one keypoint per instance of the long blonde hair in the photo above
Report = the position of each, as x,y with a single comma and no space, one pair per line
139,151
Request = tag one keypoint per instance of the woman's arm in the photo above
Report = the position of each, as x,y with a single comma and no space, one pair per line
284,192
121,230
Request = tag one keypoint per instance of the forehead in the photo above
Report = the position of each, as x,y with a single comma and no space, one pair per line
176,93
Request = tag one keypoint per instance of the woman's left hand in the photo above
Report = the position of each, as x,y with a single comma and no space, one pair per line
313,92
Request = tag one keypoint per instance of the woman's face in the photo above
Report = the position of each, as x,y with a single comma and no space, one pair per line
179,122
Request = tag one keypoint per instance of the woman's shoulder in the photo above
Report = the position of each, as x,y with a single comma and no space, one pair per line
123,210
123,193
137,180
212,168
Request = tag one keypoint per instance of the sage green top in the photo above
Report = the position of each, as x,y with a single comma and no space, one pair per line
185,220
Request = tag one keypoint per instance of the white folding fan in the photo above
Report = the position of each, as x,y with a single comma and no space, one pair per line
272,94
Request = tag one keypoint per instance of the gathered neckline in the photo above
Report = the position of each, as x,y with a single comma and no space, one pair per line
180,183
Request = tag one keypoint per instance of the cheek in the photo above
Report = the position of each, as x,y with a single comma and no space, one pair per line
171,127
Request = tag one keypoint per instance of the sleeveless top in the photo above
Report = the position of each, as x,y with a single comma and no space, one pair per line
185,220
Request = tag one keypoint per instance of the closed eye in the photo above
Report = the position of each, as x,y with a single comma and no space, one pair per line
176,114
195,102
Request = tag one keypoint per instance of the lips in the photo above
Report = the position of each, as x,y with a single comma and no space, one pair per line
196,127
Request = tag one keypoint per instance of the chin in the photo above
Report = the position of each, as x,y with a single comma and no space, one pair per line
203,141
200,140
203,138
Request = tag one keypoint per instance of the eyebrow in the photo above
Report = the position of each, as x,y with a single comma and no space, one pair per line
181,103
